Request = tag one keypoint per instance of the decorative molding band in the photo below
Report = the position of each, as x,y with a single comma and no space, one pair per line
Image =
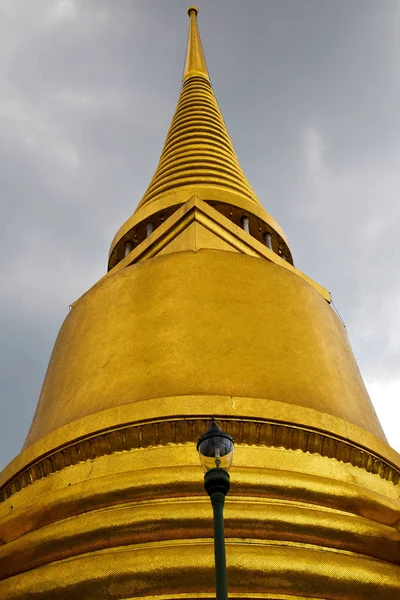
183,430
197,210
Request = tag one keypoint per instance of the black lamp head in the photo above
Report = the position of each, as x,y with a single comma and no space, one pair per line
215,448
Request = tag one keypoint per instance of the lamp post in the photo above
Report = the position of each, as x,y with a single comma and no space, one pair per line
216,452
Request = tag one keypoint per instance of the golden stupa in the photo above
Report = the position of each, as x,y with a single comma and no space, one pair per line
201,314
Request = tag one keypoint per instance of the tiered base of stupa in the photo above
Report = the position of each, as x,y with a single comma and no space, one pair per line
123,513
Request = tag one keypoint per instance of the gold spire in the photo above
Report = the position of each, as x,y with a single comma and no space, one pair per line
195,64
198,152
198,159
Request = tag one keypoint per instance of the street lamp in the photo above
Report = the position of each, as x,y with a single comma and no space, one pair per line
216,452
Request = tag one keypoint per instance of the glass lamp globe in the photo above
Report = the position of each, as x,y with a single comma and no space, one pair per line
215,448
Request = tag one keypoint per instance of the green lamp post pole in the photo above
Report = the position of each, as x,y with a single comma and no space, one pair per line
216,452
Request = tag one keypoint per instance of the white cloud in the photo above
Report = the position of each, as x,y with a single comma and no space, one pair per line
385,396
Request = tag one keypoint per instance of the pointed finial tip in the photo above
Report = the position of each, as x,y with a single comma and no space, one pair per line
193,9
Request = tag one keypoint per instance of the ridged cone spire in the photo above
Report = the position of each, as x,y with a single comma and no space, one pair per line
198,152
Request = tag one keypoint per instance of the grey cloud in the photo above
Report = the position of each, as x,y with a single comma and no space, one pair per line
88,89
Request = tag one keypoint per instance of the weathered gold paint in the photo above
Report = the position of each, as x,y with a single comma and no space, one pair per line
201,323
106,498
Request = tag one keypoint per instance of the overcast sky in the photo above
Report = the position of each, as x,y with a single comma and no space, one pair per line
309,90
